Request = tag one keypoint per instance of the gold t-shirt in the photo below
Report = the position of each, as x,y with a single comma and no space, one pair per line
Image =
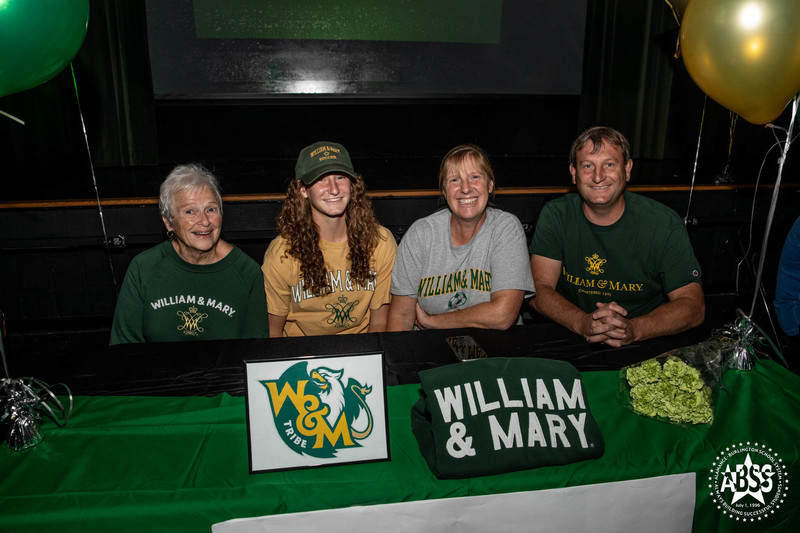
346,308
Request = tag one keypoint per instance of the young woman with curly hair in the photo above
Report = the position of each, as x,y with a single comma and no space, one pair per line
329,271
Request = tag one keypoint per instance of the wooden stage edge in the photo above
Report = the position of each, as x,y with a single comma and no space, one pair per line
406,193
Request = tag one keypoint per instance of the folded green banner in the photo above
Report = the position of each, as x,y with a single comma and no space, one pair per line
497,415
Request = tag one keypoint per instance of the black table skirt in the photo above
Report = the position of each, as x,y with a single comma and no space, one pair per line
211,367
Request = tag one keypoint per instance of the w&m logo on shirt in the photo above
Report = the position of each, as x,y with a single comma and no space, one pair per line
595,262
191,321
316,413
340,312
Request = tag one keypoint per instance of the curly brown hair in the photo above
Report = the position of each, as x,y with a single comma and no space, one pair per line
302,236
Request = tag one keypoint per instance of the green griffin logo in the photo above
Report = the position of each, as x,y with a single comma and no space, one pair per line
315,413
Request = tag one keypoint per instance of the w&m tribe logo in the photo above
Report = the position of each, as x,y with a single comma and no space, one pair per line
316,413
748,482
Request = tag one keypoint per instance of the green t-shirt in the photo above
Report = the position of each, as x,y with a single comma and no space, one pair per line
501,414
163,298
635,262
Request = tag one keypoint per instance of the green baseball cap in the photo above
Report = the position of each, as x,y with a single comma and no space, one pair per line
320,158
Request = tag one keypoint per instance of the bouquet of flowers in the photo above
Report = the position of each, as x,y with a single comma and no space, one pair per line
679,386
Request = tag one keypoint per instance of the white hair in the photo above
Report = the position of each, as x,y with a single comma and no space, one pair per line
186,177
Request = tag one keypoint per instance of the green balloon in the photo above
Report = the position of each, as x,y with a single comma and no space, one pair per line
38,38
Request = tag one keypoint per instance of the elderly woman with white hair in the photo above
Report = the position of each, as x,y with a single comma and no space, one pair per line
195,285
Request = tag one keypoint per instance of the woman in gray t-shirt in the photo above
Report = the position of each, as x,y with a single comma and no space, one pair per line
469,258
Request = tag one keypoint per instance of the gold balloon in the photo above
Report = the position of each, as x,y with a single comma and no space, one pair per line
744,54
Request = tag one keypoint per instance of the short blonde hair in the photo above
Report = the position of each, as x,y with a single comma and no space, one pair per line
456,157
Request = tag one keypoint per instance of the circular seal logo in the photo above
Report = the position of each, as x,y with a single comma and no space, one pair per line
748,481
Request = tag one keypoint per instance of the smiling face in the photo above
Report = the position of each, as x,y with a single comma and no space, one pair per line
466,189
197,222
601,178
328,197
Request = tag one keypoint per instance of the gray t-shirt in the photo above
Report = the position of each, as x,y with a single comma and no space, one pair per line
443,277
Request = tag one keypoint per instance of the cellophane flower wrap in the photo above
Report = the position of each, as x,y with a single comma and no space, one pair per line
679,386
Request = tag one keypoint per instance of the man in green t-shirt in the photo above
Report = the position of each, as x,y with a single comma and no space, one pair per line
610,265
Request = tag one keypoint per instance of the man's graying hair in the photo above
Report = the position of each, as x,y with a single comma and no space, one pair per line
596,136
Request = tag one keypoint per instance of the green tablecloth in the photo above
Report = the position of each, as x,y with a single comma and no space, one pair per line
181,464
